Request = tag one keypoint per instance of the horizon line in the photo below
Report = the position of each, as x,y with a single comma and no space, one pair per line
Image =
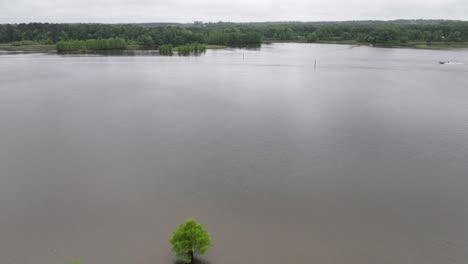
252,22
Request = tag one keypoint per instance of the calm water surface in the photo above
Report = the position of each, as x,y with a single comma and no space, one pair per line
361,161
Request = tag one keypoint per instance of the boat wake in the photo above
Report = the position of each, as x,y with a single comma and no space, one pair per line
450,62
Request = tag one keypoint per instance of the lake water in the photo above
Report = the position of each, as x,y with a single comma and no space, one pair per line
361,160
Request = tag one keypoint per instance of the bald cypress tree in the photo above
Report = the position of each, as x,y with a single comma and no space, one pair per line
190,238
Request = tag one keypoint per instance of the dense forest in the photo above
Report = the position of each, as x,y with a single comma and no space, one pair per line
236,34
92,44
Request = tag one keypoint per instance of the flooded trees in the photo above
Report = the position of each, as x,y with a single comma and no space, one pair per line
190,238
165,49
191,48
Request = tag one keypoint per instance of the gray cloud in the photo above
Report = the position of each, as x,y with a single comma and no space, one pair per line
113,11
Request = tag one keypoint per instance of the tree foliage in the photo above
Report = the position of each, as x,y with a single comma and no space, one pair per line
190,238
312,37
92,44
239,34
145,40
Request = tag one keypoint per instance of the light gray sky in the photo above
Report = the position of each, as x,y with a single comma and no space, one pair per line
123,11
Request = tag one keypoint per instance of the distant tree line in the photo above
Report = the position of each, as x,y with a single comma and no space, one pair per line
140,35
233,38
232,34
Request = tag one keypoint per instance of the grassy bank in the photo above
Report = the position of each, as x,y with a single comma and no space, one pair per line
215,47
439,45
413,45
28,48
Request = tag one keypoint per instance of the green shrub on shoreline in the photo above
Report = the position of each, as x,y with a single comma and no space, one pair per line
191,48
91,44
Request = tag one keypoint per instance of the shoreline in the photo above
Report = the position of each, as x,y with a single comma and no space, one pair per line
52,48
410,45
8,47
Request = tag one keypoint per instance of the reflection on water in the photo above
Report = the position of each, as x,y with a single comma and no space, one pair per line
361,161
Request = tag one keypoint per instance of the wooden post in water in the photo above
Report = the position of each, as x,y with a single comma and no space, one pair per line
315,65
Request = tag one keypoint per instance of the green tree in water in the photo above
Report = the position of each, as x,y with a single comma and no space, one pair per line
190,238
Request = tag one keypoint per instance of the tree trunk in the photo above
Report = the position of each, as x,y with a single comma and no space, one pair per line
191,256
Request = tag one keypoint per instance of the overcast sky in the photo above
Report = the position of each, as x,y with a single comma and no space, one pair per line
123,11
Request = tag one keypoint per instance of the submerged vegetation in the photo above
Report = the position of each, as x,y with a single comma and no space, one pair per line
74,37
183,50
190,49
75,261
165,49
